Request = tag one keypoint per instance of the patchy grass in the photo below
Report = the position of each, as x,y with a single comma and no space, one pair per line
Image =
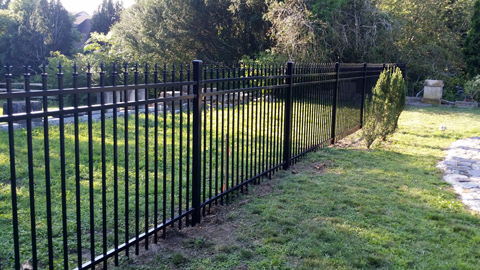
117,180
344,208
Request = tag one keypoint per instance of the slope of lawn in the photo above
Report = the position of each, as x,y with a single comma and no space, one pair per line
343,208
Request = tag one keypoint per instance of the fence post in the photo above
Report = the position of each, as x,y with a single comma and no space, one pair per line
287,137
335,98
362,105
197,141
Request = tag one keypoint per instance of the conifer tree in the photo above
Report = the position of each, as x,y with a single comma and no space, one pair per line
105,16
384,107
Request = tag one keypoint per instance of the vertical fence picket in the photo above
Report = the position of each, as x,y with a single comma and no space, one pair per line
364,90
77,166
103,164
13,174
334,102
180,156
197,141
126,162
164,157
146,180
46,142
155,205
137,163
90,166
31,176
288,114
114,75
189,108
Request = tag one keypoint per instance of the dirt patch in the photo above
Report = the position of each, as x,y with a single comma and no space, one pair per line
353,140
263,190
205,239
320,167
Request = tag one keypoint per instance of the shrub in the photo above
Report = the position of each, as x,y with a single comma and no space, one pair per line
384,106
472,89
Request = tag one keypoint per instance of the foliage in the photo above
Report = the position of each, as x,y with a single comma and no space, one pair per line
360,32
471,48
472,89
4,4
35,28
106,15
451,86
170,30
343,31
383,108
294,30
430,36
8,26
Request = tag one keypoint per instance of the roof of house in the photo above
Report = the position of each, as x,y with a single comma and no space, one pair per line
80,17
83,23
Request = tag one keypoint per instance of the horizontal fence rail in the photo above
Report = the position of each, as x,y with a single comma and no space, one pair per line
100,164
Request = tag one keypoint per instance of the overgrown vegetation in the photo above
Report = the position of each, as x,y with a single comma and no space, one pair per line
426,34
345,208
383,108
472,89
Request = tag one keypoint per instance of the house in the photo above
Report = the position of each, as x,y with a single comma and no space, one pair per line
83,24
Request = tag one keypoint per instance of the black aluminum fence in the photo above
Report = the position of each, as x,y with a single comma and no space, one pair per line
102,169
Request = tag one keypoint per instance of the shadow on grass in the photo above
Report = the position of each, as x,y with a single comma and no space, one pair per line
345,209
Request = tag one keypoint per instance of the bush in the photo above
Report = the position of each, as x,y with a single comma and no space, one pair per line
384,107
472,89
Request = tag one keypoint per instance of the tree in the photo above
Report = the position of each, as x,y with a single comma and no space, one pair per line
61,37
343,31
294,31
359,32
8,26
471,48
430,37
384,107
106,15
40,27
214,30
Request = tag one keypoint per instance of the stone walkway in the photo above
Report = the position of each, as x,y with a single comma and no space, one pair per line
462,170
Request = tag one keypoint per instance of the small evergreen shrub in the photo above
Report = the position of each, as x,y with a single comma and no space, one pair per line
472,89
384,106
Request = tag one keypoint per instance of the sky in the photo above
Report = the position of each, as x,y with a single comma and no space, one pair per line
87,5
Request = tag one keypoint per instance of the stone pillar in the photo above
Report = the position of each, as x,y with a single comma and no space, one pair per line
432,92
108,98
20,107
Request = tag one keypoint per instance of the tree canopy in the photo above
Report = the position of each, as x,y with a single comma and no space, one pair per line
471,49
30,30
106,15
427,34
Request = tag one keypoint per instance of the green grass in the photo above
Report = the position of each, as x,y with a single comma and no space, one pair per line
172,177
348,208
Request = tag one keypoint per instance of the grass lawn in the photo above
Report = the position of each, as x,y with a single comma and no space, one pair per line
343,208
96,181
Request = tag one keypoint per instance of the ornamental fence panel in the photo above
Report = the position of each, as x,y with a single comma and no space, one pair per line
97,166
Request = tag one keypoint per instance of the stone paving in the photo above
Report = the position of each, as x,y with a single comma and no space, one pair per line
462,170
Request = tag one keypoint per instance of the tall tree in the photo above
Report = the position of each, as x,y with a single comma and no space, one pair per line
430,37
213,30
325,30
8,27
106,15
41,27
294,30
471,48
